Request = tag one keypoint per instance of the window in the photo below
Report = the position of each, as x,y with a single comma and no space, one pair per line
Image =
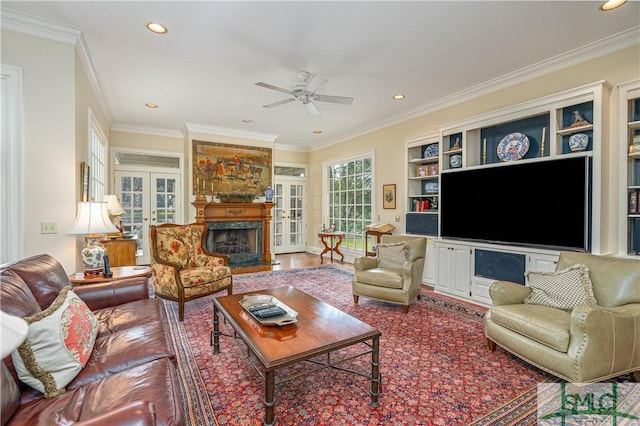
349,198
97,160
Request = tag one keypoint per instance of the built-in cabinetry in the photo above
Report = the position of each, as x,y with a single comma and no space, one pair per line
422,187
422,171
454,267
466,270
629,235
569,123
563,125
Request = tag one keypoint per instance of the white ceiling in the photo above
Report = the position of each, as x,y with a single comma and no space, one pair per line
204,70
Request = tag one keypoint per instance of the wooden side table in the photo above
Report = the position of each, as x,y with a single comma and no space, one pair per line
119,273
377,234
331,242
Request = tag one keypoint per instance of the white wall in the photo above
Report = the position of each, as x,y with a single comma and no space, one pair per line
50,166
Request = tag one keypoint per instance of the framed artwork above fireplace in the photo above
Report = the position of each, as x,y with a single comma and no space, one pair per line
228,168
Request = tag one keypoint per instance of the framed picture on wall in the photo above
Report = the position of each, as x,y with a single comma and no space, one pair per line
230,169
84,181
389,196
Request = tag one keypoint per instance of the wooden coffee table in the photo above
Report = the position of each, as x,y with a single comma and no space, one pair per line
320,329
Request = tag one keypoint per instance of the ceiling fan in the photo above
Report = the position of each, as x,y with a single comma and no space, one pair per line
305,91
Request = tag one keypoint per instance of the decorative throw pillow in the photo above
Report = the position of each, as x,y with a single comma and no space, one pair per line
564,289
58,345
392,255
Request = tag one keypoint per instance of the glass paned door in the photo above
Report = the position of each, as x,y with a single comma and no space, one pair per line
289,216
147,198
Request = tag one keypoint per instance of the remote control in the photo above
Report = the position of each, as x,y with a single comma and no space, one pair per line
270,312
260,307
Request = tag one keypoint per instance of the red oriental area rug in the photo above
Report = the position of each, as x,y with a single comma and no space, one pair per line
435,365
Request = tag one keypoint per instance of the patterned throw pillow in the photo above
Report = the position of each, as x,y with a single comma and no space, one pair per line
58,345
392,255
564,289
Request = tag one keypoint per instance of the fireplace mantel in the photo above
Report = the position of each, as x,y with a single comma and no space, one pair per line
241,212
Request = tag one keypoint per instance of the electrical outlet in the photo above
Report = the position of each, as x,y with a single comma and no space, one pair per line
48,228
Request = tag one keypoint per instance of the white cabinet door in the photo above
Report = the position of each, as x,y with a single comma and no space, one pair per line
454,270
542,262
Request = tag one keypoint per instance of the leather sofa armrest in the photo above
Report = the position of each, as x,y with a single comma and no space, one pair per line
364,263
508,293
138,413
113,293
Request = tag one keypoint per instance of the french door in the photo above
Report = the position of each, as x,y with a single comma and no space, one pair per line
148,198
289,215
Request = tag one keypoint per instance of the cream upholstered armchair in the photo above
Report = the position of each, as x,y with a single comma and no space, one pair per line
182,269
395,275
595,340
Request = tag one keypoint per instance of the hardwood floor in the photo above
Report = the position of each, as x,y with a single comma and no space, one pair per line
299,260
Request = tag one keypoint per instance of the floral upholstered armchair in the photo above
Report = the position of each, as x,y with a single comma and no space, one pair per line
182,269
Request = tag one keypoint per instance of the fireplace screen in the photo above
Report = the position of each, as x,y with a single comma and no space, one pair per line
241,241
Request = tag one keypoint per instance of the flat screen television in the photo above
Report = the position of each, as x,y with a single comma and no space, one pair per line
539,204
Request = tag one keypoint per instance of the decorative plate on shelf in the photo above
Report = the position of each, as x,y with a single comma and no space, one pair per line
513,147
431,187
578,142
430,151
455,161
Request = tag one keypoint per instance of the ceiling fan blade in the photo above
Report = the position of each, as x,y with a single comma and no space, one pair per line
315,83
311,109
282,102
272,87
346,100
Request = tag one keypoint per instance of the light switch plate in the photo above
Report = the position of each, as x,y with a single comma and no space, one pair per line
48,228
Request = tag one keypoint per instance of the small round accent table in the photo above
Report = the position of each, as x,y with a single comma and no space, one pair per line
331,242
119,273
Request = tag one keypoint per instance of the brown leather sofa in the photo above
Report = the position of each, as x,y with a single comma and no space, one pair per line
130,377
591,343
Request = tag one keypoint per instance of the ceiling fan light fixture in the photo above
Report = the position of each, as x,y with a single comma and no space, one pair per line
612,4
157,28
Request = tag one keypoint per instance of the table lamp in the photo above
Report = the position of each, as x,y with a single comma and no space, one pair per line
14,331
115,210
92,220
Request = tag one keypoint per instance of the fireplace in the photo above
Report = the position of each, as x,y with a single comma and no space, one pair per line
240,231
241,241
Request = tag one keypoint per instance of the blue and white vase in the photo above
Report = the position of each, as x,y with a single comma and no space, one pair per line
268,194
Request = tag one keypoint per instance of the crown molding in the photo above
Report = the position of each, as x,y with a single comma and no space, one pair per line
292,148
43,28
154,131
39,27
224,131
590,51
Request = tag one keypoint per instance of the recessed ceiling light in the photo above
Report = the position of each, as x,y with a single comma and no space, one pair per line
317,132
157,28
612,4
246,120
150,105
398,97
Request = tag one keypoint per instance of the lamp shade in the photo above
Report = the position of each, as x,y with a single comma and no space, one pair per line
92,218
14,331
113,205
